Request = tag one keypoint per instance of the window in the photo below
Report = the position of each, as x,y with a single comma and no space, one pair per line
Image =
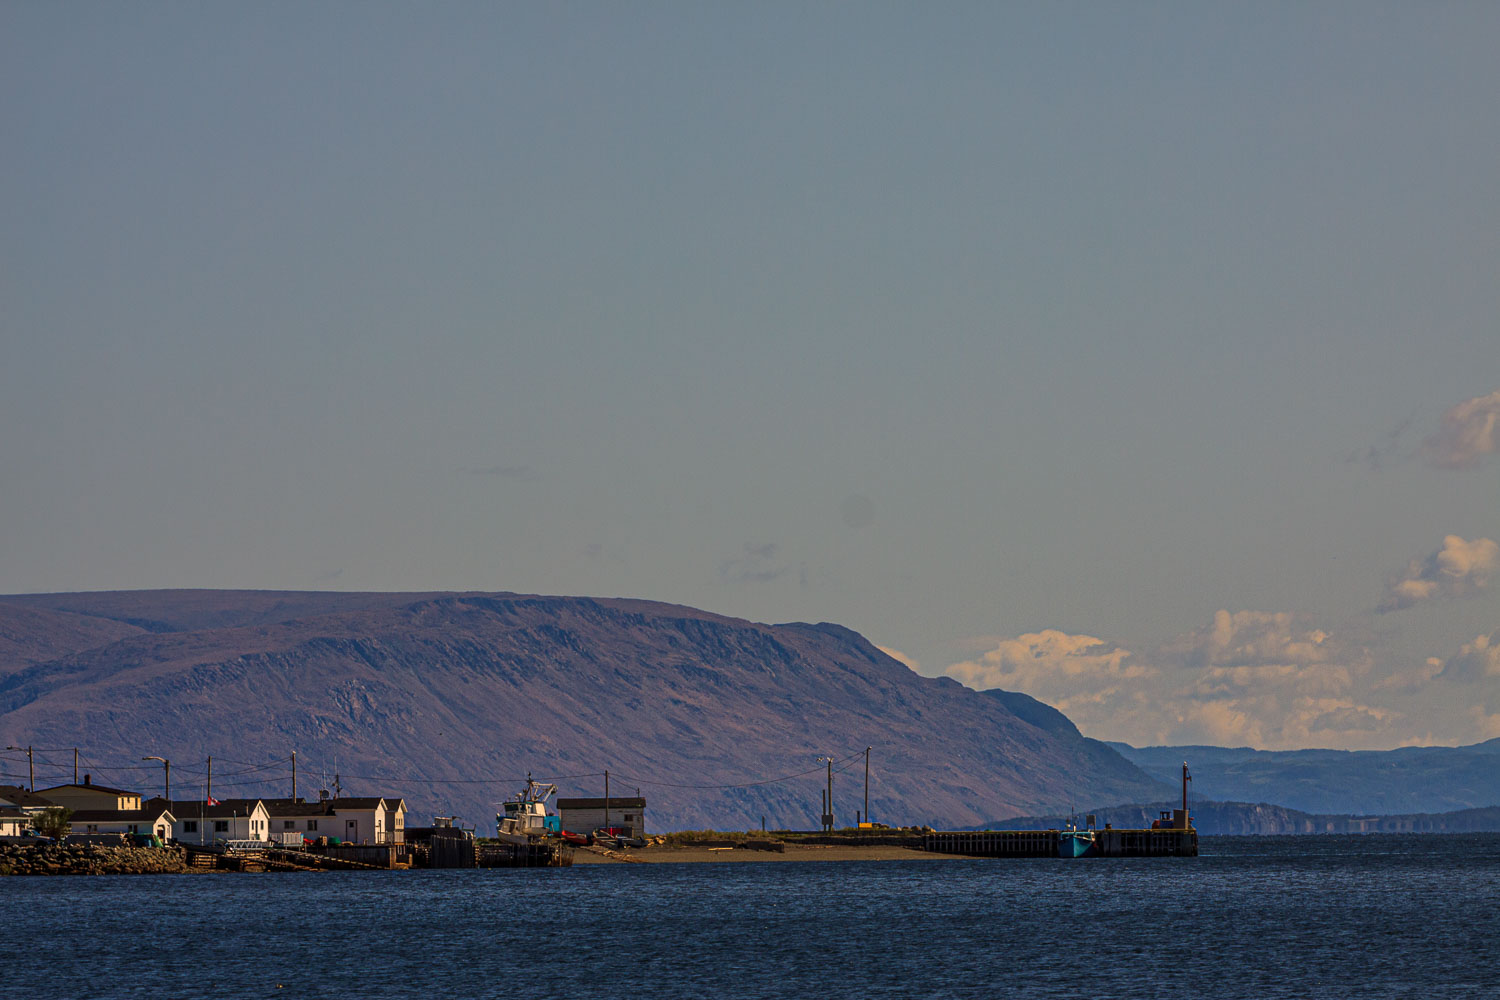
133,828
289,824
221,826
190,826
312,826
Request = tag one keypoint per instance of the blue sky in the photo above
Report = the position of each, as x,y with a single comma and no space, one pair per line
1082,349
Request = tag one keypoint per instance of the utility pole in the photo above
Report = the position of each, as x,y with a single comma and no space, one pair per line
168,765
828,796
867,785
75,765
32,770
294,776
208,786
606,798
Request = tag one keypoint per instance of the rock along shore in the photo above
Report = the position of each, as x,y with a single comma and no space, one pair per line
58,859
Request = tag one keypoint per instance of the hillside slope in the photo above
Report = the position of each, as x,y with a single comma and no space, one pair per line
451,699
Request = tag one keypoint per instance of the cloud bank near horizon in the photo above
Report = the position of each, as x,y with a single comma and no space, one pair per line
1269,680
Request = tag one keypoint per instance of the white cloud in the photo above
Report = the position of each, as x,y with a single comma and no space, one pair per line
1411,681
1474,661
1458,569
1071,672
1468,433
1247,677
1254,638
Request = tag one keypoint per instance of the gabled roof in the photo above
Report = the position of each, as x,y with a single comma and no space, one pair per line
147,816
353,803
296,807
198,809
89,788
21,797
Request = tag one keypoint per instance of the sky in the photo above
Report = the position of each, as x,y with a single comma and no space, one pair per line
1140,357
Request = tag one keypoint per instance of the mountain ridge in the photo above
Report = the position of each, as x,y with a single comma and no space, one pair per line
450,696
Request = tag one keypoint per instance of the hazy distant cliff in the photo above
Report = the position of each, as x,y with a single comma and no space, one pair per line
1407,780
432,695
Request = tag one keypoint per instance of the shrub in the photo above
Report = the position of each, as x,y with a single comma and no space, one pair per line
54,822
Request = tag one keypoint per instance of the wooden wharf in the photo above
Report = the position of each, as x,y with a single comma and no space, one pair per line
1108,843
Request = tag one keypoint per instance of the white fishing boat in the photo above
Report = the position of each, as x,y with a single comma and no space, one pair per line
525,817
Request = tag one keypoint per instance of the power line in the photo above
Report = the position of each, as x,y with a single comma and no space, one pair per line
743,784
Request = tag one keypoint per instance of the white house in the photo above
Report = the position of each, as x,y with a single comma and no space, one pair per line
17,806
208,822
294,818
154,818
359,820
395,821
13,822
352,820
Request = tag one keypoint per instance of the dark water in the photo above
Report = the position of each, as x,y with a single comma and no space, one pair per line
1372,916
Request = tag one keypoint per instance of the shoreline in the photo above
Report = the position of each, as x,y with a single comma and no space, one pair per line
659,855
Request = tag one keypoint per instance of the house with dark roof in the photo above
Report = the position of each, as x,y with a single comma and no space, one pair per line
371,821
17,806
153,818
13,822
354,820
91,796
14,796
198,821
295,819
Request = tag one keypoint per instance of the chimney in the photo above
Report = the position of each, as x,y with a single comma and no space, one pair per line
86,779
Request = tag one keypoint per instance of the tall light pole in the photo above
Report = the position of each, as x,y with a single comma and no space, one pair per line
30,768
168,765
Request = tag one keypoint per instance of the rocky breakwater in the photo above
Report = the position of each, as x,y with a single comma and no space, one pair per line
59,859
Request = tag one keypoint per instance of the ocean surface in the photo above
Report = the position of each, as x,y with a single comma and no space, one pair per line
1346,917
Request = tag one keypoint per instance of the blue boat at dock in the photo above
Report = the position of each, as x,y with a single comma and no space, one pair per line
1076,843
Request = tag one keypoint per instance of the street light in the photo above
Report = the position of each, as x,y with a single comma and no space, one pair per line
168,765
30,767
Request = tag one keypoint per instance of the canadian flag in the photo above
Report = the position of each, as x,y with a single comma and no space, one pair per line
212,801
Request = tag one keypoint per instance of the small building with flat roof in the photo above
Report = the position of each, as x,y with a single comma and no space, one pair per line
587,815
